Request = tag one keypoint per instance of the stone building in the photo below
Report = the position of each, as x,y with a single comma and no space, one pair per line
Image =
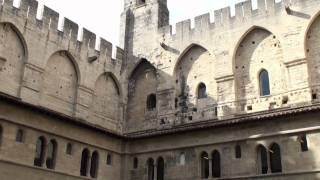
233,98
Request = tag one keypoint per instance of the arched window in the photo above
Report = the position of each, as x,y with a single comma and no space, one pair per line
19,136
40,152
151,102
182,159
238,151
150,164
216,167
51,154
262,159
204,165
304,143
275,158
264,83
69,149
84,162
109,159
135,163
202,91
160,169
94,164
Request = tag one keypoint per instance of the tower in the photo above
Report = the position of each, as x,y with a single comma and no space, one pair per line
140,22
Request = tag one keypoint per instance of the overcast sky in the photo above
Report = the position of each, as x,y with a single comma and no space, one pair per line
103,16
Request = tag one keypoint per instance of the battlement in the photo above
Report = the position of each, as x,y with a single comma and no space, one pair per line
222,17
27,12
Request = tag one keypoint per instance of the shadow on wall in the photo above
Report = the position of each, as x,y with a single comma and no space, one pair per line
260,78
184,103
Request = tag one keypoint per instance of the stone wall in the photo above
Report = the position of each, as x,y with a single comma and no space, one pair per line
278,37
52,69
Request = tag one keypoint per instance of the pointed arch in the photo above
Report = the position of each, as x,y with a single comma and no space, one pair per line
185,51
60,82
13,57
116,82
107,98
143,81
251,49
311,46
187,75
313,19
240,40
143,63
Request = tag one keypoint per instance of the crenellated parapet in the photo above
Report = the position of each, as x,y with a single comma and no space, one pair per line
69,52
223,18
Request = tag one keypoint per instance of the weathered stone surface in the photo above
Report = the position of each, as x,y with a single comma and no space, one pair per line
64,90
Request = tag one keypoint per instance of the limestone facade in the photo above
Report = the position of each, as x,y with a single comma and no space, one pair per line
233,98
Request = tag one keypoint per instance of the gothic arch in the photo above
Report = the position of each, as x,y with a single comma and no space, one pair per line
312,45
310,24
13,56
60,82
143,81
184,52
188,73
258,49
243,36
106,98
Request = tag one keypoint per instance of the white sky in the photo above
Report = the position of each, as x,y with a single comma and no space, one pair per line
103,16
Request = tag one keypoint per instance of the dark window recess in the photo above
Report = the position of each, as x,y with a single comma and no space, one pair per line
285,100
204,165
275,158
94,164
151,102
249,108
263,159
176,101
150,167
135,163
238,151
69,149
304,143
141,2
190,118
314,96
20,136
40,152
84,162
160,169
216,166
51,154
264,83
109,159
216,111
202,91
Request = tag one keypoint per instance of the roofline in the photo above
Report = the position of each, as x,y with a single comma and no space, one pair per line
212,123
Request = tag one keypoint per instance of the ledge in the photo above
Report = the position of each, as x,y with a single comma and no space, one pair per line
212,123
